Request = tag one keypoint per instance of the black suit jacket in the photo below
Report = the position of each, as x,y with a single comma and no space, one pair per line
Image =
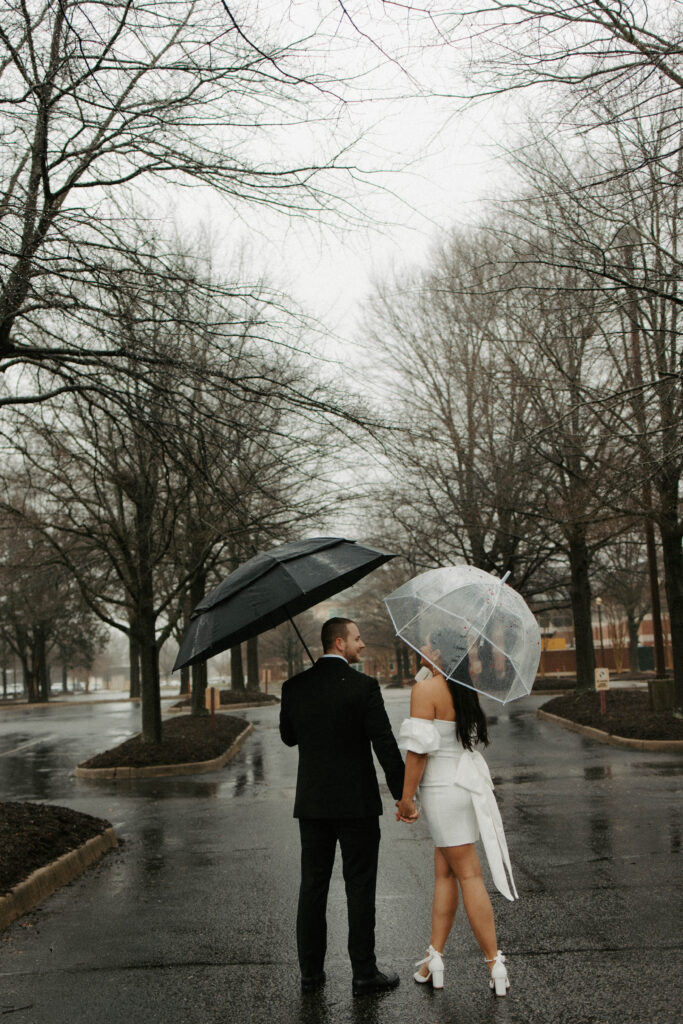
336,716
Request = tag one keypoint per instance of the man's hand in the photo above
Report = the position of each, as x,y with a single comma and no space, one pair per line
406,810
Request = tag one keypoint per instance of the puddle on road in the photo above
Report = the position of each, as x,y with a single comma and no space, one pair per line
597,771
523,777
667,769
173,788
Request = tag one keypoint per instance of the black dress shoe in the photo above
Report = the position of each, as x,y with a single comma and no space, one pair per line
310,984
380,981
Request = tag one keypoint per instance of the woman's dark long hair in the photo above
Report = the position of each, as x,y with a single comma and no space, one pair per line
470,721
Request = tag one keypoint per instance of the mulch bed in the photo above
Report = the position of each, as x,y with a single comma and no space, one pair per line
229,697
184,739
543,683
628,714
554,683
32,835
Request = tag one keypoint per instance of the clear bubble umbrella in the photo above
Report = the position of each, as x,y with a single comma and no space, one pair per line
484,632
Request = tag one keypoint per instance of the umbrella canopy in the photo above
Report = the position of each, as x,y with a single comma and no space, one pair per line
272,587
486,635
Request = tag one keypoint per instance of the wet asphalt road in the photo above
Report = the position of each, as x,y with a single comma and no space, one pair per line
191,920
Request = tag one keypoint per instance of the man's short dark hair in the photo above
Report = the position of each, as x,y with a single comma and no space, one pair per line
333,628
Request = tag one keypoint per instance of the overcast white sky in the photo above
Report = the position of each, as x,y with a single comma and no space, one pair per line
432,167
449,175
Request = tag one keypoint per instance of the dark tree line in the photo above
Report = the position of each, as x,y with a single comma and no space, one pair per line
538,357
149,486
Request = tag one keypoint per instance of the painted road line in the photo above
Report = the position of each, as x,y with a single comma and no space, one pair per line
29,743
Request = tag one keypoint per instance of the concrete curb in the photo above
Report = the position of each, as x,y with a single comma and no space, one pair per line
26,706
227,708
42,882
615,741
158,771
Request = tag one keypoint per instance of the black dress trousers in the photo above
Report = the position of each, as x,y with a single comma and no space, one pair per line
359,843
336,717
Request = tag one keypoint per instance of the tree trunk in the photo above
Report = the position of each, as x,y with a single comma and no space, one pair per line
199,671
199,678
252,665
150,690
134,657
30,685
672,555
40,663
632,642
236,669
65,679
185,670
4,683
28,678
580,594
397,658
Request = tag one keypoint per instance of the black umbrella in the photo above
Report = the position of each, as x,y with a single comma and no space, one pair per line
272,587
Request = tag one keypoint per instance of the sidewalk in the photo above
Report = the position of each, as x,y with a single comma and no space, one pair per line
191,920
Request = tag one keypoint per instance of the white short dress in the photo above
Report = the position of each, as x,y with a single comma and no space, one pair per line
456,795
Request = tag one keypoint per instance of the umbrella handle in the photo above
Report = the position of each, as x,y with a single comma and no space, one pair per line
303,642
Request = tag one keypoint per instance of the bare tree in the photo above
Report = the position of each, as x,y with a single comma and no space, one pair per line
505,462
102,100
43,618
624,236
591,44
555,325
622,577
148,484
463,484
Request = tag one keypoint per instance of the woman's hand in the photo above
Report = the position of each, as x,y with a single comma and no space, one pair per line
406,810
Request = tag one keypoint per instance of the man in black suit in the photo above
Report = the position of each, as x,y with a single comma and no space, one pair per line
336,716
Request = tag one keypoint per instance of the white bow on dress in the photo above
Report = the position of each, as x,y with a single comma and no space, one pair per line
472,773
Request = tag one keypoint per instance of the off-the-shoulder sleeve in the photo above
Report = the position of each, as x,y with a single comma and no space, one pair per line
418,735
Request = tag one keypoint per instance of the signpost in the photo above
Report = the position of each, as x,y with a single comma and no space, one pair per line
212,696
602,685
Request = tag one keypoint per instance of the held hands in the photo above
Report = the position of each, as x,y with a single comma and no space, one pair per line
406,810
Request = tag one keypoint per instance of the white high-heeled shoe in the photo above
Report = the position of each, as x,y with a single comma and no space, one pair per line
499,980
434,963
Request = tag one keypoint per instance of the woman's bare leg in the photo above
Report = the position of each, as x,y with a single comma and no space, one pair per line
444,905
464,863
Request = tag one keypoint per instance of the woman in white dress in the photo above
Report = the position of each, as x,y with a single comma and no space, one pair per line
457,801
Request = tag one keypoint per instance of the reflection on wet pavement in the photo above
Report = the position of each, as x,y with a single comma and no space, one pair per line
597,771
523,777
663,768
196,909
250,770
